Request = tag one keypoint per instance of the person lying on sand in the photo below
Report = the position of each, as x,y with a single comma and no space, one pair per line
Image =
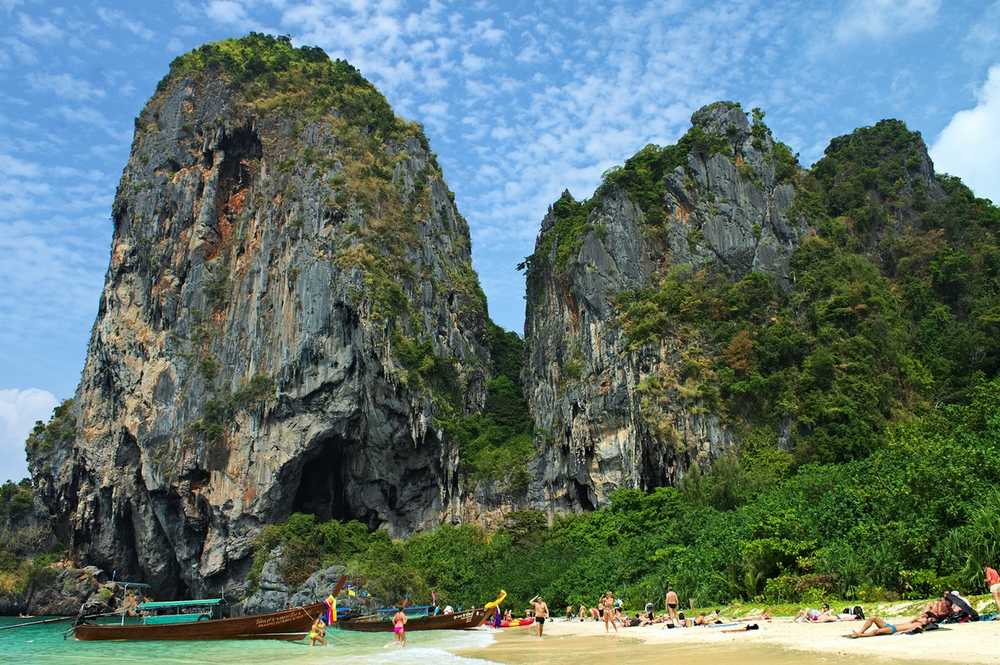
937,610
763,616
741,629
812,615
884,628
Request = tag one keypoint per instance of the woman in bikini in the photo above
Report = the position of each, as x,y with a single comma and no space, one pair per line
608,612
884,628
399,626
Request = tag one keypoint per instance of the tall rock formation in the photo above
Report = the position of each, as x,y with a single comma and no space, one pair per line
289,307
716,199
713,294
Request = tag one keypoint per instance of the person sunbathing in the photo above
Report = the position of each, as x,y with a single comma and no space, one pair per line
813,615
763,616
937,610
882,627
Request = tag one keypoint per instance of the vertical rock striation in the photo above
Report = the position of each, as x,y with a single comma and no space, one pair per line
289,305
719,200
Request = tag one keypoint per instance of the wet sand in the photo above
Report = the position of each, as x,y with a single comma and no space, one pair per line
776,643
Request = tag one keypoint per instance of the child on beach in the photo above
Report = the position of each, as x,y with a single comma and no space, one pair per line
399,626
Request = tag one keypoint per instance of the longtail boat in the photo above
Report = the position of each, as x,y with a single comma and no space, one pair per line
197,620
382,622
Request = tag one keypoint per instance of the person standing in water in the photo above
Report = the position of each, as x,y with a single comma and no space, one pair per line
317,633
671,602
541,613
399,626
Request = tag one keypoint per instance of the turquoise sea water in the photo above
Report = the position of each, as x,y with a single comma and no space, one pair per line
44,645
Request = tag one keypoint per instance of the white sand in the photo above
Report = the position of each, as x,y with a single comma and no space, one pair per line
955,643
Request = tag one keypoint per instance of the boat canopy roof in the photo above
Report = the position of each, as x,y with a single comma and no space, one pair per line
162,605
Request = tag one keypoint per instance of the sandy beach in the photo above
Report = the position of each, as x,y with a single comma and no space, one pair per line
777,642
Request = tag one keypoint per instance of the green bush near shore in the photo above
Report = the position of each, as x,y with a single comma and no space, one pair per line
915,518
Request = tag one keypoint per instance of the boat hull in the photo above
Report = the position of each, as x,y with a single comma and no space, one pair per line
292,624
460,621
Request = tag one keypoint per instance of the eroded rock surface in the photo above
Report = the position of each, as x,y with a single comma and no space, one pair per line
290,288
725,209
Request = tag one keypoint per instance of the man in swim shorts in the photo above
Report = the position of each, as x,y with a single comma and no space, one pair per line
541,613
671,602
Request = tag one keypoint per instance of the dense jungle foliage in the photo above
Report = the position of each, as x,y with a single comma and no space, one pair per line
917,516
894,305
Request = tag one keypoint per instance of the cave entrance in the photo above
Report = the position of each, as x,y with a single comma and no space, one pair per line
322,489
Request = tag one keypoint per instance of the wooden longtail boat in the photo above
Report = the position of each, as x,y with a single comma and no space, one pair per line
290,624
382,623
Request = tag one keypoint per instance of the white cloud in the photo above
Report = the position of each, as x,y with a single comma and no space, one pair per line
40,29
115,18
877,19
12,167
65,86
19,409
227,11
969,146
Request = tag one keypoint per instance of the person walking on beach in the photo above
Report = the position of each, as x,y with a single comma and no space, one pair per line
993,584
541,613
608,612
672,602
399,626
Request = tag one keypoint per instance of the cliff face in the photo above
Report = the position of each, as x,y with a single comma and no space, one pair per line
721,206
289,305
676,314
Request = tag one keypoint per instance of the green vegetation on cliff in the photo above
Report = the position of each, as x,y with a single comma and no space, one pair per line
274,74
892,306
917,516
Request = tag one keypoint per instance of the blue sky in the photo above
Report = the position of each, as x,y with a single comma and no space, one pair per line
520,100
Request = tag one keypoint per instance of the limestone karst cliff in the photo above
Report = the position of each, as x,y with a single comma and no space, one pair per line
289,308
715,299
290,322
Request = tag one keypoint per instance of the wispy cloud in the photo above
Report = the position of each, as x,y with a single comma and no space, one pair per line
877,19
65,86
118,19
38,28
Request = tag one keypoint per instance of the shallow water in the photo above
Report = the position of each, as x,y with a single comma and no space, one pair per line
44,645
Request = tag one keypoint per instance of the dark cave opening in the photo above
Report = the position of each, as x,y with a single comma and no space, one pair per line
323,488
